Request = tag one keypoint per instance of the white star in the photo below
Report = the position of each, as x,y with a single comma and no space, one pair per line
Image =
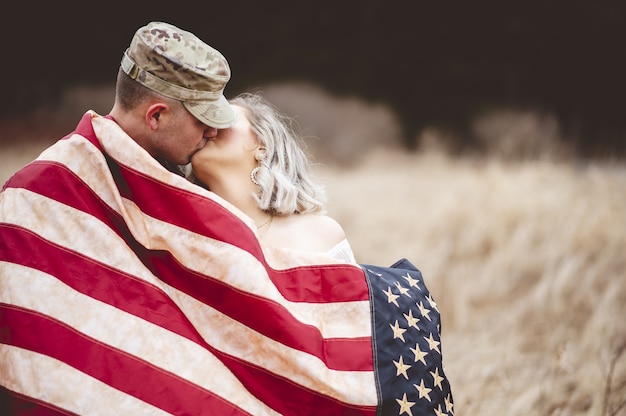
403,290
423,390
437,379
423,310
405,405
419,354
412,282
432,302
432,343
397,331
411,321
449,404
401,368
391,297
438,411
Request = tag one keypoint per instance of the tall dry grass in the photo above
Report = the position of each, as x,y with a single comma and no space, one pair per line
527,262
526,258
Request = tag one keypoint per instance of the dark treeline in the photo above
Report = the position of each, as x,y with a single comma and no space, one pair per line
434,62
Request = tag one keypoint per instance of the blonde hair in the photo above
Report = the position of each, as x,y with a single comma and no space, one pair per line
286,185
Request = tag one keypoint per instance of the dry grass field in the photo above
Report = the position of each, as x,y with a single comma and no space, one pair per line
527,262
525,258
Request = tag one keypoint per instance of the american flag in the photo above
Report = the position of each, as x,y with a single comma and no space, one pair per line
126,290
407,342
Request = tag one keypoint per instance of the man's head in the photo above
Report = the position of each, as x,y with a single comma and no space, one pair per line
178,65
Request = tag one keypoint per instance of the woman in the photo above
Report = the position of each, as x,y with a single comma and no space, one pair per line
259,166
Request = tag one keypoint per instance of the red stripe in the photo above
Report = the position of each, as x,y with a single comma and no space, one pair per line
209,217
312,284
336,283
95,280
118,369
332,283
57,182
279,393
274,321
321,283
24,328
148,302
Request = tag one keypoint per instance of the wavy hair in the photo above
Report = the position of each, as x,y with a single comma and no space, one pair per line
286,185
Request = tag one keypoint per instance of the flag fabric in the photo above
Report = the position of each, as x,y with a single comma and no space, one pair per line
407,342
125,289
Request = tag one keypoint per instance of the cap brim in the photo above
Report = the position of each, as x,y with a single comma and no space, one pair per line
218,114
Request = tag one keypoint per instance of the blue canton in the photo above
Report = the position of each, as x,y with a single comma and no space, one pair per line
407,344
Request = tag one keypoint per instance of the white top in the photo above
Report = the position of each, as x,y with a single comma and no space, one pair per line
342,251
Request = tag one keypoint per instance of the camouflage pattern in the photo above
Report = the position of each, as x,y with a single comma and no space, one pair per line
179,65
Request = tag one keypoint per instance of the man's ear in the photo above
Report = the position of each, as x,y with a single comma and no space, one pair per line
154,114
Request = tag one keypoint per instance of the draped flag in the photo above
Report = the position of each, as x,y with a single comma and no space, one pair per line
127,290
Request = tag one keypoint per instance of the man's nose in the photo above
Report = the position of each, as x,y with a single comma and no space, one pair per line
210,131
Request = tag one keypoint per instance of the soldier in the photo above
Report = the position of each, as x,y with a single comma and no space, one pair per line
169,93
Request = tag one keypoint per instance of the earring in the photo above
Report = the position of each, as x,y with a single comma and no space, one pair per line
253,174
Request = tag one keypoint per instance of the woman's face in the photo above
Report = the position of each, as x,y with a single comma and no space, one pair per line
231,151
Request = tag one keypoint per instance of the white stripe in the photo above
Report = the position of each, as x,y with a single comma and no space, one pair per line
64,386
103,245
207,256
35,290
121,147
241,270
234,338
81,157
40,292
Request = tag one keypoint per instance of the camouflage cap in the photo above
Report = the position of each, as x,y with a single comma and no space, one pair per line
177,64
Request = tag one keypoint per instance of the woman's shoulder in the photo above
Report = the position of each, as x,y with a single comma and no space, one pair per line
323,223
314,232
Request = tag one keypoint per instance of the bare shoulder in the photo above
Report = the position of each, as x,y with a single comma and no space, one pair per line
315,232
324,224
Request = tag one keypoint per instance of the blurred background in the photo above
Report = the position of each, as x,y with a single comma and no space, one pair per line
433,64
483,140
